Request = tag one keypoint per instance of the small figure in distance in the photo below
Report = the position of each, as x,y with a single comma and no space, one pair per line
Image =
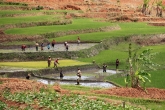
79,73
53,43
49,61
42,46
56,63
79,76
37,46
78,40
48,45
28,76
104,67
65,44
117,63
61,74
67,47
23,47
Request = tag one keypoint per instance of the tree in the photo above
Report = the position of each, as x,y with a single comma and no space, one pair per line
139,65
145,6
159,6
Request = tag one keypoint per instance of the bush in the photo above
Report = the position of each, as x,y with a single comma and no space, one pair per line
39,8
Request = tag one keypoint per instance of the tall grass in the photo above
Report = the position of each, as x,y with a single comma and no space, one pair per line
109,56
15,20
41,64
127,29
77,24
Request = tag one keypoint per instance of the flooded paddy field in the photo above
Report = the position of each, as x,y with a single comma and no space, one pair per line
57,47
89,78
87,84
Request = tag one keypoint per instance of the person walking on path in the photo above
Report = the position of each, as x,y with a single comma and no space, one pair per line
56,63
117,63
49,61
78,40
53,43
36,46
104,67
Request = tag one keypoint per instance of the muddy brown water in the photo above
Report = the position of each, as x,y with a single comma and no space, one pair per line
90,78
89,75
86,84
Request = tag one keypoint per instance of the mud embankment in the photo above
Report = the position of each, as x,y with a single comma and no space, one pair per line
41,72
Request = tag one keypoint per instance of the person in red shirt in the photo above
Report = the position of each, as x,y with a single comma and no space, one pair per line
23,47
56,63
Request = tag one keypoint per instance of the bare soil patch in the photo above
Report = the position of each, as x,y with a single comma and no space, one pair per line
18,85
152,93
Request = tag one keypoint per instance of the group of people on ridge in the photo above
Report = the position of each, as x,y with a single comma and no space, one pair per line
49,45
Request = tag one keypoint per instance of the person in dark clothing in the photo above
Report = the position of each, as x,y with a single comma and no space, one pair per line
53,43
67,47
28,76
104,68
42,46
117,63
61,74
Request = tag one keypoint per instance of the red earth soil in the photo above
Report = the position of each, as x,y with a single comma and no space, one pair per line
107,9
18,85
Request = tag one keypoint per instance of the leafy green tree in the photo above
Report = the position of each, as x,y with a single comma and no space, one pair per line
139,65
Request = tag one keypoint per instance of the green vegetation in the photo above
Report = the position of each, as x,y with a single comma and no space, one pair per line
157,79
127,29
76,24
108,56
50,99
2,2
9,20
